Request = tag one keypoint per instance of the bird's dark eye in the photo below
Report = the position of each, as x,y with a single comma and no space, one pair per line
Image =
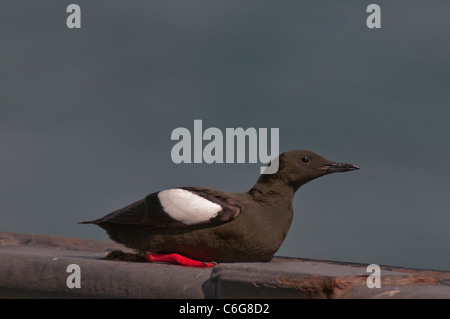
306,159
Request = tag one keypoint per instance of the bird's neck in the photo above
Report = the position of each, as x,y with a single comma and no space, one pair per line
268,186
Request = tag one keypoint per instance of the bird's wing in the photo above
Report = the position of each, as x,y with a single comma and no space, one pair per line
187,206
177,207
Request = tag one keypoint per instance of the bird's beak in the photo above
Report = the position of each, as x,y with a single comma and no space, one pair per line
339,167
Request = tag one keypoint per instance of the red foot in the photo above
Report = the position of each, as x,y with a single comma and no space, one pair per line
177,259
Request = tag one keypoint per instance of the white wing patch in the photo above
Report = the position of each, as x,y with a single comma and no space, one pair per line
187,207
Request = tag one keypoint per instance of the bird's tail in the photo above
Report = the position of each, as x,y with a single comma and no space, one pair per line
89,222
131,214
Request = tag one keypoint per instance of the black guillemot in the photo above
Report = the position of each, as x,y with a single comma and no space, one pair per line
207,224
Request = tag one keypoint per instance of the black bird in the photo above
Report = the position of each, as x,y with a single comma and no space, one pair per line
208,224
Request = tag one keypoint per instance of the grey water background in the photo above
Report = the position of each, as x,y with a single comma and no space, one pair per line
86,115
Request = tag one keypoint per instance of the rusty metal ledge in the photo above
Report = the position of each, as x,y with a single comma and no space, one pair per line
35,266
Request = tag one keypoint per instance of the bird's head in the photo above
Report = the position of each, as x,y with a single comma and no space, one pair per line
300,166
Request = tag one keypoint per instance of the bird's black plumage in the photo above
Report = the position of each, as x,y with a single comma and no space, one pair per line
214,225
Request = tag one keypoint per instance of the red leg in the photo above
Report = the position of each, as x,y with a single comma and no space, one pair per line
177,259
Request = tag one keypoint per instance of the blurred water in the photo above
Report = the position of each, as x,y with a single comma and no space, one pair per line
86,115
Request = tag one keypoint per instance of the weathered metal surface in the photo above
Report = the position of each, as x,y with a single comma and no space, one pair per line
35,266
302,278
